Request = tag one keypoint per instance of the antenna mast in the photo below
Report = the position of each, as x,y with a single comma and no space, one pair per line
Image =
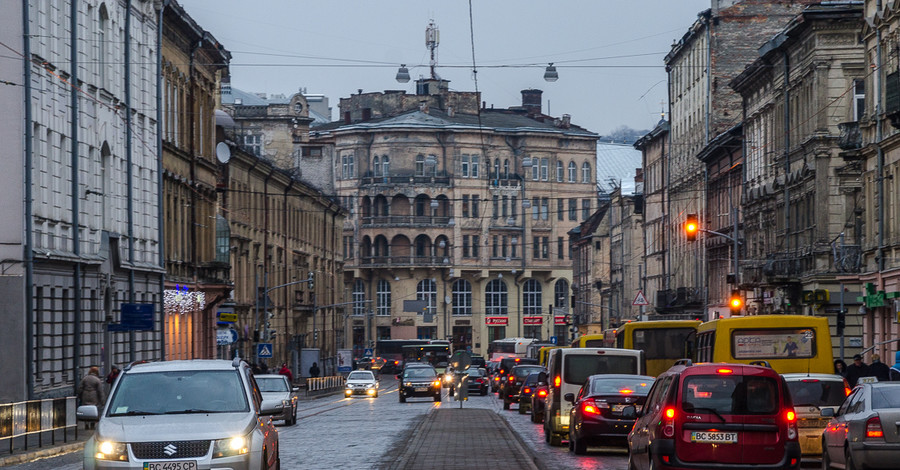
432,38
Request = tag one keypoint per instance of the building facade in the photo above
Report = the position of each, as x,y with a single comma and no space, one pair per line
591,290
462,208
82,164
654,149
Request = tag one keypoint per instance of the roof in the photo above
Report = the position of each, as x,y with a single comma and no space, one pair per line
195,364
616,167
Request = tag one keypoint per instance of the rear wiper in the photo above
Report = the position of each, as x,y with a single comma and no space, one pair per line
712,410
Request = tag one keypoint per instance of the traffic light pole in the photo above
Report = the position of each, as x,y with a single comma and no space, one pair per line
692,225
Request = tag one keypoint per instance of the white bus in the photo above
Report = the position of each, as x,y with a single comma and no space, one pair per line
509,347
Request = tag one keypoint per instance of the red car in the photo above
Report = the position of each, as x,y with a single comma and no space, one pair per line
725,416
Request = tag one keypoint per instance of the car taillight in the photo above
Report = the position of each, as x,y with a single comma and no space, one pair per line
542,393
588,407
791,419
557,381
526,390
668,422
873,428
847,391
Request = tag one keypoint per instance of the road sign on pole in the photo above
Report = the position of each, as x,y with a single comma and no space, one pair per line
264,350
639,299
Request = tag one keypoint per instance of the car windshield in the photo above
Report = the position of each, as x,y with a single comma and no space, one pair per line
361,375
272,384
176,392
815,392
730,394
885,397
522,372
473,373
581,366
639,386
419,373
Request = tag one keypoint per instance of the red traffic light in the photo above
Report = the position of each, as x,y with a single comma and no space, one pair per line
691,227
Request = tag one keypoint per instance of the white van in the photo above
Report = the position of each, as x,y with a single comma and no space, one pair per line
569,368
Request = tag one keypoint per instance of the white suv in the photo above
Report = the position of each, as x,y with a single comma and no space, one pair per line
185,415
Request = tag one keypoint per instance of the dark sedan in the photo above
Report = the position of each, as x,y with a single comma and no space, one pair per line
419,382
477,382
529,387
596,415
512,384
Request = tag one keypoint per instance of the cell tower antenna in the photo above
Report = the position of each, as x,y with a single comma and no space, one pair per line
432,38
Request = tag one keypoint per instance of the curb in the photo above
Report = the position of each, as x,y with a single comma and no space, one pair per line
30,456
521,445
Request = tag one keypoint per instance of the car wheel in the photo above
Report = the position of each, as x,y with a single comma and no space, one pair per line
505,404
578,446
826,461
484,392
451,391
521,409
402,398
294,416
848,458
631,465
555,439
437,397
533,417
375,395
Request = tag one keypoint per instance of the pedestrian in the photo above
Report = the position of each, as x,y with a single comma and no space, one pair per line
255,369
840,368
263,367
856,370
895,369
112,376
286,371
91,391
314,370
880,370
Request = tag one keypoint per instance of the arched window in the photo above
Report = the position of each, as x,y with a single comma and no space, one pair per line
103,36
506,168
559,171
586,172
531,297
572,171
561,294
496,168
359,297
495,298
535,168
376,165
427,290
386,166
383,298
462,297
420,165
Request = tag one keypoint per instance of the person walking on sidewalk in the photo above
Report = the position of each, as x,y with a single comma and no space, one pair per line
895,369
91,391
880,370
286,371
314,370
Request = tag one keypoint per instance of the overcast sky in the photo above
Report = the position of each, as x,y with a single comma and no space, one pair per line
609,53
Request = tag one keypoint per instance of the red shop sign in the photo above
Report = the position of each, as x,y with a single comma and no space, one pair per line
496,320
533,320
559,320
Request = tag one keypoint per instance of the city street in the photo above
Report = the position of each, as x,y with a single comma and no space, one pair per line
338,432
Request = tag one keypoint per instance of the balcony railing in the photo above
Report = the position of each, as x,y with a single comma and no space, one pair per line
440,178
405,261
404,220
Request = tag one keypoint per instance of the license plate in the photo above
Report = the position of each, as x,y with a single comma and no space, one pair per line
421,389
714,437
173,465
618,408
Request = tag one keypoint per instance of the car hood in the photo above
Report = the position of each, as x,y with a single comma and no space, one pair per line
361,382
276,396
174,427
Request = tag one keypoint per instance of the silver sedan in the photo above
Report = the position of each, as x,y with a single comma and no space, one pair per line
865,431
276,389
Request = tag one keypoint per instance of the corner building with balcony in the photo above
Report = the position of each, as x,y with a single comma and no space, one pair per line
464,207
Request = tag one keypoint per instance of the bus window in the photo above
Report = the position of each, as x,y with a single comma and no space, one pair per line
661,343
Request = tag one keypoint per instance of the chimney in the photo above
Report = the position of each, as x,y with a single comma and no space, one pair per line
423,106
566,121
531,101
638,175
450,111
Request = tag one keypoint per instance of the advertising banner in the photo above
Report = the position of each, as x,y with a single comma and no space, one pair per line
496,321
771,343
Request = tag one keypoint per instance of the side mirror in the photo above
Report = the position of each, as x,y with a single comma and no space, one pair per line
826,412
398,376
542,377
630,412
570,397
271,408
87,413
295,389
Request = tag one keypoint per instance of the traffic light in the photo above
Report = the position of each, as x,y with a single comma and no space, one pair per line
736,302
691,227
311,280
841,321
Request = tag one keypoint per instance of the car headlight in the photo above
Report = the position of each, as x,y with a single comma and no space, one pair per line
231,446
108,450
407,384
436,383
286,403
349,386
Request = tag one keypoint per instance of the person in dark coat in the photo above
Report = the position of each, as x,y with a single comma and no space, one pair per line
856,370
113,375
92,391
880,370
840,368
895,369
314,370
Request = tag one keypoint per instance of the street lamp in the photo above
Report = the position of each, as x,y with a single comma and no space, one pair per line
402,74
550,73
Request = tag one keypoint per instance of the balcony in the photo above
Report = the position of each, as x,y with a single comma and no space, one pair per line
404,221
438,178
405,261
850,138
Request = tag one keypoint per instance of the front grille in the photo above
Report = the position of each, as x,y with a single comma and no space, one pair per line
170,449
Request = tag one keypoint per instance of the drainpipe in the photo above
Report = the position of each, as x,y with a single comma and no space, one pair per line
76,200
787,151
160,216
192,123
129,172
29,248
879,152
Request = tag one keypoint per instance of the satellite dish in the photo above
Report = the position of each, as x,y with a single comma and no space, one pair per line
223,152
460,360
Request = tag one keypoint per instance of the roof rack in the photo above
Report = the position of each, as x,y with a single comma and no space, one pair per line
684,362
761,363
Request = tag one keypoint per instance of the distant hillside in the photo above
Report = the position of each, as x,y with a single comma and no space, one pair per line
624,135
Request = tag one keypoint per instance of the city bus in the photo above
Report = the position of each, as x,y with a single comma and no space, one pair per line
509,347
391,350
438,355
535,348
786,343
588,341
663,341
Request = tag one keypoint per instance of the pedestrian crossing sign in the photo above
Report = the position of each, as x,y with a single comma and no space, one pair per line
264,350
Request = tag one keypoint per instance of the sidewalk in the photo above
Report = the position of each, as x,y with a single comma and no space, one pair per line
463,439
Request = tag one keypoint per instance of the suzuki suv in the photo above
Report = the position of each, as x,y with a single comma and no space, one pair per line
186,415
728,416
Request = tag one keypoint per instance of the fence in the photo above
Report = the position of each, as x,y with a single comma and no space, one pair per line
316,385
37,418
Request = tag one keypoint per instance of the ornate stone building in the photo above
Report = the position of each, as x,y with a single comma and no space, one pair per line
654,149
463,207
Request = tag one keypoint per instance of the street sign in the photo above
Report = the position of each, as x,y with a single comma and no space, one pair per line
368,352
226,336
639,299
264,350
135,317
553,339
415,305
226,315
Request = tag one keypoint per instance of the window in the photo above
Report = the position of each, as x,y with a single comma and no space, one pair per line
475,206
359,297
561,294
545,208
474,169
531,297
536,248
427,290
859,99
475,244
376,165
253,144
535,207
495,247
512,212
585,209
504,208
103,46
383,298
545,247
420,165
466,248
560,210
462,297
503,245
495,298
496,200
559,172
386,166
560,245
465,206
464,167
586,172
573,209
545,169
506,168
572,171
496,168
